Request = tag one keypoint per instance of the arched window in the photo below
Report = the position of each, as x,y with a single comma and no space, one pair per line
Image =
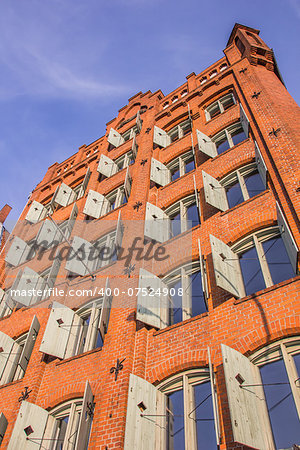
203,80
213,74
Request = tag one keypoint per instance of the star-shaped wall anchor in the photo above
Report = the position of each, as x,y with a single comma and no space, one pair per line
255,94
274,132
129,269
243,70
137,205
148,130
143,162
24,394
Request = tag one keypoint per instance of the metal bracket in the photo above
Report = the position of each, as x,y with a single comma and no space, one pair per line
116,370
255,94
274,132
137,205
243,70
129,269
24,395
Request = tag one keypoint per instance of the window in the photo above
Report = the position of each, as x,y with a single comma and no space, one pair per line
129,134
223,67
181,165
184,93
165,105
125,160
203,80
229,137
183,215
213,74
188,299
117,198
219,106
89,334
175,99
163,138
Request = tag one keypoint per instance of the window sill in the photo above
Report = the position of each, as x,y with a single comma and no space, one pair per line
261,194
82,355
266,290
180,324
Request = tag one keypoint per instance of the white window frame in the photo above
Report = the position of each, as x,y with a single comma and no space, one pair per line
123,161
116,197
87,339
220,104
180,163
181,206
237,176
129,134
227,132
107,241
179,131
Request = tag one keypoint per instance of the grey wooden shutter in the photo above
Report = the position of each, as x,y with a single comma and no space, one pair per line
95,204
57,331
287,237
139,121
71,221
29,343
85,183
214,192
160,137
157,223
261,166
248,412
134,147
203,273
6,344
80,252
227,267
244,121
119,233
115,138
11,364
74,336
36,212
33,416
28,281
53,271
214,398
3,426
52,202
85,419
127,183
18,252
107,166
206,145
47,234
197,198
149,303
105,310
65,195
140,431
160,174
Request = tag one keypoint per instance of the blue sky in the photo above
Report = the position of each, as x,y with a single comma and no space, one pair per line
68,66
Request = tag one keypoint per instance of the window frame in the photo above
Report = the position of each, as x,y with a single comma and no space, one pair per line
220,105
227,132
181,207
179,163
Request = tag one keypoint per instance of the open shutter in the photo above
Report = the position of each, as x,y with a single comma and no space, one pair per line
57,331
244,121
47,234
52,202
18,252
134,147
160,137
33,416
206,145
80,252
151,309
203,273
6,345
139,121
85,183
214,398
29,343
287,237
119,233
28,280
3,426
36,212
227,267
215,193
107,166
95,205
71,221
157,223
160,174
65,195
11,364
261,166
86,418
115,138
248,412
105,310
197,198
141,422
127,183
53,271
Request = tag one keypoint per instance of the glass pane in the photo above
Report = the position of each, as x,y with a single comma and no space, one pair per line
238,136
175,311
214,111
234,195
251,271
175,175
189,166
297,363
124,199
222,145
175,225
278,260
192,215
282,411
62,427
99,341
175,421
198,302
254,184
206,436
227,102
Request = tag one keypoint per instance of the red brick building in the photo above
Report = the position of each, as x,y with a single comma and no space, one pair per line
195,344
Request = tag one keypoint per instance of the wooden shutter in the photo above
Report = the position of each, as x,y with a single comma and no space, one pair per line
57,331
11,364
197,198
214,398
33,416
47,234
287,237
85,419
105,310
160,174
53,271
203,273
65,195
139,121
206,145
29,343
85,183
149,304
214,192
95,204
36,212
248,412
157,223
28,280
119,233
107,166
244,121
52,202
74,336
141,427
134,147
71,221
80,252
127,183
18,252
3,426
115,138
160,137
261,166
227,267
6,345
